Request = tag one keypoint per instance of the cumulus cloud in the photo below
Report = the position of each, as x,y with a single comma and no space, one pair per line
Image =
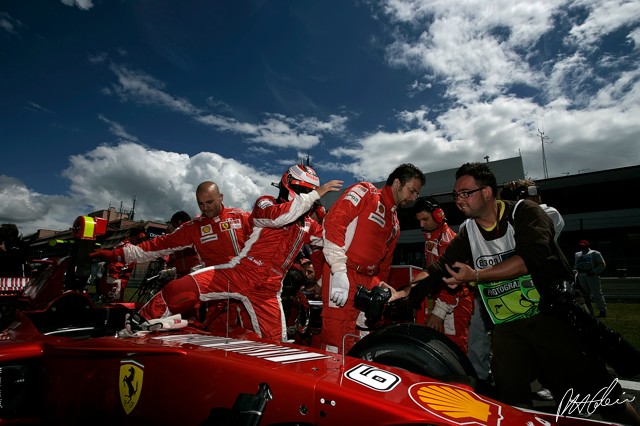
504,80
483,78
30,210
161,182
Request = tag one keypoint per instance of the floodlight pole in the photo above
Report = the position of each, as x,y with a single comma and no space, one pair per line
544,138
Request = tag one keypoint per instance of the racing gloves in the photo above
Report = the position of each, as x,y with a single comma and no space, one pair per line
339,288
111,256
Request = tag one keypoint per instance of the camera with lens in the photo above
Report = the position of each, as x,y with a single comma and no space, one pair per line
372,302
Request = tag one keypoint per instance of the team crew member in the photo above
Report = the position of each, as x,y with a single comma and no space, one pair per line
280,227
509,249
217,236
113,283
184,261
452,308
590,264
527,189
361,231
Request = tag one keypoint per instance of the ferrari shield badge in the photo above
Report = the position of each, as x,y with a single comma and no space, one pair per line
131,374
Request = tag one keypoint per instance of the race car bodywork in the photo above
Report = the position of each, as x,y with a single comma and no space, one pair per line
65,376
64,362
66,365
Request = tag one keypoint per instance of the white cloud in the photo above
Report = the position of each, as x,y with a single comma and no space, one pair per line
480,51
118,130
276,130
142,88
80,4
604,17
161,182
504,128
634,37
30,210
10,24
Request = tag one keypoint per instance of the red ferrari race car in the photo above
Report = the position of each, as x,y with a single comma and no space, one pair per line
65,362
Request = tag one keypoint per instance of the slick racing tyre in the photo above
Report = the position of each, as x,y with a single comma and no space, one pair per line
418,349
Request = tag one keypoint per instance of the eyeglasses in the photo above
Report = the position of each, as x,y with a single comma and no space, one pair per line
465,194
412,191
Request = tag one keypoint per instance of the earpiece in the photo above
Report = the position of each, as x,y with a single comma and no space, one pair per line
436,211
438,215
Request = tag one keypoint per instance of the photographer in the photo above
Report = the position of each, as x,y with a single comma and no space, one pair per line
509,250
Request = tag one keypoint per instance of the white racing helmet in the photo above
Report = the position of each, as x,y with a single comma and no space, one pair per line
299,179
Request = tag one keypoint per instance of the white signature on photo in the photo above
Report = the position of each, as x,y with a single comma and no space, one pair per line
587,405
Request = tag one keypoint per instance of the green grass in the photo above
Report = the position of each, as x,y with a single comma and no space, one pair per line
624,318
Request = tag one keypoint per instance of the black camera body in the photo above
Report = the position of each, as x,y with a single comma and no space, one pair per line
371,302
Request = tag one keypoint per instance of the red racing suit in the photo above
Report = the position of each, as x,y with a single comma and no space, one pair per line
216,240
113,283
360,233
453,306
254,277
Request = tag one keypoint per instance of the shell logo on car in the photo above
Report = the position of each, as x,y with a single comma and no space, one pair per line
454,404
131,374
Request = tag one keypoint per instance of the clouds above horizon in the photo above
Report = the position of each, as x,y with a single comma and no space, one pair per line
275,130
481,79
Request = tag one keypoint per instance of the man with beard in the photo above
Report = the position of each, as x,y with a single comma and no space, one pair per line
360,233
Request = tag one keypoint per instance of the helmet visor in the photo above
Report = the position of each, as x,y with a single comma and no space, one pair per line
301,188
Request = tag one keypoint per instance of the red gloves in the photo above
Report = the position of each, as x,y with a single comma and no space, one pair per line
111,256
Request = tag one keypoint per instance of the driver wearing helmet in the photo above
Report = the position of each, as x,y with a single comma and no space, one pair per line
281,226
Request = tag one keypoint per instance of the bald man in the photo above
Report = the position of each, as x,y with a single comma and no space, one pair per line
217,236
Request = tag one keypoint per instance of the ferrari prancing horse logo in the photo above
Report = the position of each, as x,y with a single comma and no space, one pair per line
130,386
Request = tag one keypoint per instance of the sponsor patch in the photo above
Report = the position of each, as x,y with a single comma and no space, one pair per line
353,198
360,190
206,230
206,239
131,375
493,259
454,404
377,219
264,203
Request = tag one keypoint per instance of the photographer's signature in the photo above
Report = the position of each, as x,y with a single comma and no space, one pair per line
587,405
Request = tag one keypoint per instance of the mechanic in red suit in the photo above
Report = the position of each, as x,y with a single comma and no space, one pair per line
280,228
182,260
217,236
113,283
452,308
361,231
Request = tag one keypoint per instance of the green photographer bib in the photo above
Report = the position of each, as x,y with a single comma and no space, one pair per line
510,300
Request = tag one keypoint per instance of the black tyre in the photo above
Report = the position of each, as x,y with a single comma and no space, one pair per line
418,349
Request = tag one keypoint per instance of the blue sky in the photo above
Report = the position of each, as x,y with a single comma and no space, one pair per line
104,101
